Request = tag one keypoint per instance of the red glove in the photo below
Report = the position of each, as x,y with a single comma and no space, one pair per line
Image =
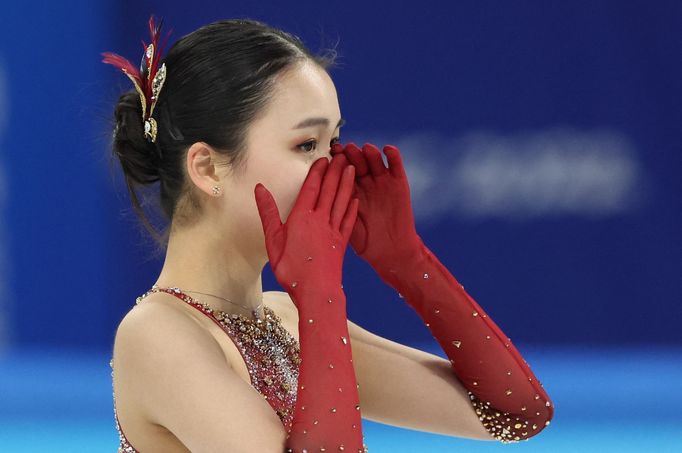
306,255
505,393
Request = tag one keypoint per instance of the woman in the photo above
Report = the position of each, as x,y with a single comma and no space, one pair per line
232,124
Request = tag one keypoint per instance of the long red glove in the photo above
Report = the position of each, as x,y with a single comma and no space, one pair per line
306,255
510,401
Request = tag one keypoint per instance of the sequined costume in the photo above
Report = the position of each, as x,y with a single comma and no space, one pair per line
270,352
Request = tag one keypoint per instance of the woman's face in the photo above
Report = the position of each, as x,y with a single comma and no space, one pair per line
299,126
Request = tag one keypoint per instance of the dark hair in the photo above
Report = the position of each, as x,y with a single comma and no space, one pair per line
219,79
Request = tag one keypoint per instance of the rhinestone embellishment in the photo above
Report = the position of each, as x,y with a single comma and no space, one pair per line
271,353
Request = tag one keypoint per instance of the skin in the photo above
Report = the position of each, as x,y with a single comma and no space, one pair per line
224,252
162,346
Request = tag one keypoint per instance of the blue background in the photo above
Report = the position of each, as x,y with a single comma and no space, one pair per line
541,140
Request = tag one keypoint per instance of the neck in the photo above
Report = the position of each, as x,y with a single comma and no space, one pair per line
199,260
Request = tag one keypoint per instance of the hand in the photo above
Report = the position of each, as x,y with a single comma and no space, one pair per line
312,243
385,230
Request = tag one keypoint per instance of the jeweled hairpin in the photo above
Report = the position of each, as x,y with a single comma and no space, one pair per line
150,86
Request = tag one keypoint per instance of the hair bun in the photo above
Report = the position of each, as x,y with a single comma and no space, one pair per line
139,157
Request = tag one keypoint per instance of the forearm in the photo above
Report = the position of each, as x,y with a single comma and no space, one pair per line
327,411
508,398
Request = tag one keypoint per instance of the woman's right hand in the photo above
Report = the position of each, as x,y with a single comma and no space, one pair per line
310,246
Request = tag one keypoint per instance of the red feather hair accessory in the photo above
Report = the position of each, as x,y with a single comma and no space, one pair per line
149,78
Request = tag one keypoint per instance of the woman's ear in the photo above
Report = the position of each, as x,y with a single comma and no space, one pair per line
201,167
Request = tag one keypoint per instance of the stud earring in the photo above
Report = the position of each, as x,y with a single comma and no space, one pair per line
216,190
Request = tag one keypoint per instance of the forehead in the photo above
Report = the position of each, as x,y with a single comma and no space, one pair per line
304,90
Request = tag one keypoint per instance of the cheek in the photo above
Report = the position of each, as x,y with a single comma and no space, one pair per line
289,190
284,180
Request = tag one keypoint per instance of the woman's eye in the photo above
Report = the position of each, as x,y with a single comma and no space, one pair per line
306,146
303,146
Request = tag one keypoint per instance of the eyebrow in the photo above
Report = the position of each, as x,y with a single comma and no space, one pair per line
309,122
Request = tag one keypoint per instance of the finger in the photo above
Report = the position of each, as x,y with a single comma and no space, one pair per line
356,158
336,149
310,190
358,235
349,219
374,159
395,161
343,158
355,188
268,212
330,183
343,195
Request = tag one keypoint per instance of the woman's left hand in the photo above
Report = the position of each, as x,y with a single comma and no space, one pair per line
384,230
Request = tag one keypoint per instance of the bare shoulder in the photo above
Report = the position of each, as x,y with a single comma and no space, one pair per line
161,320
178,378
143,336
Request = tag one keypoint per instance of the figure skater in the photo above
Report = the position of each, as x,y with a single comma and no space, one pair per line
233,124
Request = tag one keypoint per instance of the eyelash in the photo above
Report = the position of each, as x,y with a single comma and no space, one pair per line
311,142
